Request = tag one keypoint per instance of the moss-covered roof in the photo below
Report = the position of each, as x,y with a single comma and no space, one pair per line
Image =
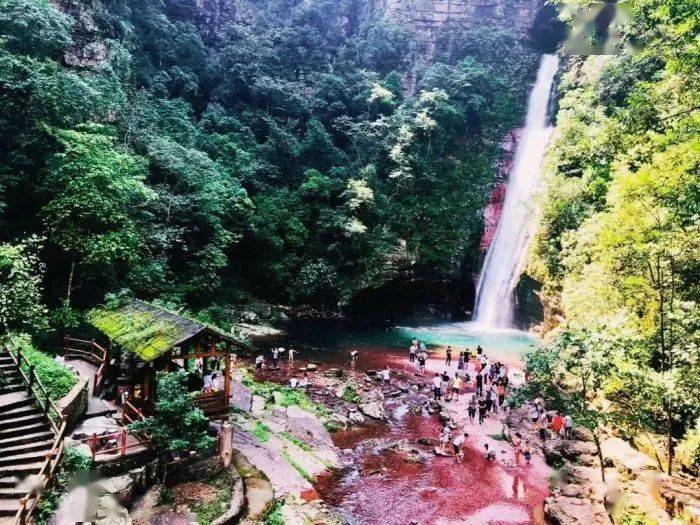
147,330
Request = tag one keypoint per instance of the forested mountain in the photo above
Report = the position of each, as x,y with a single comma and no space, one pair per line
618,247
297,154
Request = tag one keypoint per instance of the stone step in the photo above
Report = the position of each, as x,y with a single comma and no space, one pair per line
14,400
26,438
8,483
26,410
9,507
13,387
13,493
41,445
23,470
22,421
7,423
24,459
32,428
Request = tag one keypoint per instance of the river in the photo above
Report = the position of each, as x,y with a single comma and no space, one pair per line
380,486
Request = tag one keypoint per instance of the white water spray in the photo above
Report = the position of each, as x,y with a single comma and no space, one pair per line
506,254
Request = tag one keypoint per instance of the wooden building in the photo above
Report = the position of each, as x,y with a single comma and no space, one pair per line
145,339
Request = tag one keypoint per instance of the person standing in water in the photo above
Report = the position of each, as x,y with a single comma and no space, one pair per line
517,443
386,375
479,383
483,408
456,386
448,355
437,387
421,363
457,444
353,358
291,354
412,352
527,451
471,408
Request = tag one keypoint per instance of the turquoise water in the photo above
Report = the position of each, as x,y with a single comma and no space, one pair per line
460,335
332,343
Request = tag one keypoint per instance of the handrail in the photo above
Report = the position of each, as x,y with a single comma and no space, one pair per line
127,419
121,438
53,459
35,388
96,354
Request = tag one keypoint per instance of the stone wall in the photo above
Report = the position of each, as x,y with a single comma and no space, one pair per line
74,404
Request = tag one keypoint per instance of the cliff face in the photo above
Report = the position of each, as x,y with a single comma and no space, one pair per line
428,16
433,15
89,48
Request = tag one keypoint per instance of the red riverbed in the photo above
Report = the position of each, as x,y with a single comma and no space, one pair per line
384,488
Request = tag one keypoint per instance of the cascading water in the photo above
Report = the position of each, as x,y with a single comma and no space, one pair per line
506,253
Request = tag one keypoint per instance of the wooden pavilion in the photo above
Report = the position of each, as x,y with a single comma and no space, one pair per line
156,339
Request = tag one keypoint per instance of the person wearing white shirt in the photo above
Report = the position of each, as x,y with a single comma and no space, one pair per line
437,386
208,383
386,375
457,443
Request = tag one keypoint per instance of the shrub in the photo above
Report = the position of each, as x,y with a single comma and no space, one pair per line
688,451
261,431
350,395
178,425
274,515
56,378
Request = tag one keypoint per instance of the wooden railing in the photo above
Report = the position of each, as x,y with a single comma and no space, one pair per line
213,404
37,390
120,439
91,352
53,459
59,424
131,413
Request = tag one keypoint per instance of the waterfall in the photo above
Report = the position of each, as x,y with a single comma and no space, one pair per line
506,254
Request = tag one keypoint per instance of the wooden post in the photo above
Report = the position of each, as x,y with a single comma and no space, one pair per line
48,403
66,339
227,376
123,447
93,445
31,379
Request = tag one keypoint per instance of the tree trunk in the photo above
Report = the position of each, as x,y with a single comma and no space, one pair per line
70,282
599,453
669,435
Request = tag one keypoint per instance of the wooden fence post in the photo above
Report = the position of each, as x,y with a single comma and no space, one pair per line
31,379
123,447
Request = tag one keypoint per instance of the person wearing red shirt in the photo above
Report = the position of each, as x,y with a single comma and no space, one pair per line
557,423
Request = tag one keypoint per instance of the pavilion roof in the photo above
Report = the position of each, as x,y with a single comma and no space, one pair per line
148,331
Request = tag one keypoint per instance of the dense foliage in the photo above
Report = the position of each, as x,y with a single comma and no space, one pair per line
177,425
56,378
299,153
618,249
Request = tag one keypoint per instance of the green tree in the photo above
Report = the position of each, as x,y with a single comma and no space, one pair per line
96,192
21,275
177,425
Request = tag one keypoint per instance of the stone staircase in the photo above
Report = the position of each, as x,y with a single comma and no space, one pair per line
26,437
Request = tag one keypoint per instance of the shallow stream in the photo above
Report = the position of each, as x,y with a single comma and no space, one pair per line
381,487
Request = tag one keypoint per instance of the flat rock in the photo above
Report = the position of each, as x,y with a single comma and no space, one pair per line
242,398
681,497
563,510
257,406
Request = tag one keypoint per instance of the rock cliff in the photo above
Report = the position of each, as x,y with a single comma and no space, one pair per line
432,16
